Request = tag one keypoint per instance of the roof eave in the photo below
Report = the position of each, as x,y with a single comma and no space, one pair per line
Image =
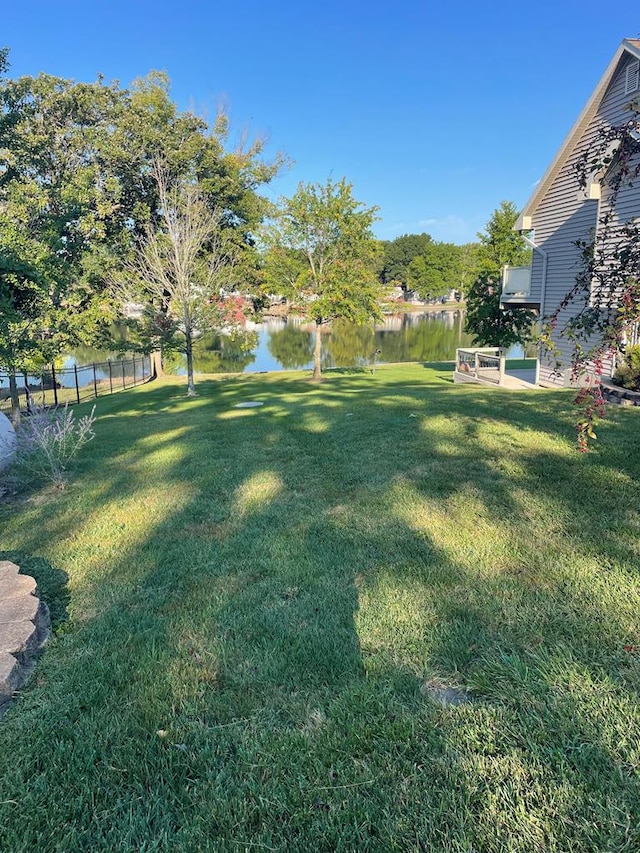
574,134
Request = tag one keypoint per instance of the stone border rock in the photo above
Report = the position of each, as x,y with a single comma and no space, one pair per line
24,628
619,396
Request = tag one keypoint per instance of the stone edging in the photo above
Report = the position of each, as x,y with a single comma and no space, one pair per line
24,628
619,396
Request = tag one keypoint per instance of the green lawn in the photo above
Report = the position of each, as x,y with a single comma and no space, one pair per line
256,598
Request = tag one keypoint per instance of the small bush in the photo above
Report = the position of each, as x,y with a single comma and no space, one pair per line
49,439
627,374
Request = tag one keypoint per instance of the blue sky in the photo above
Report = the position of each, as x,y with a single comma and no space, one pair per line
435,111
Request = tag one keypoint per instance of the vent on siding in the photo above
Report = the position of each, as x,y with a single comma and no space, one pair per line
632,78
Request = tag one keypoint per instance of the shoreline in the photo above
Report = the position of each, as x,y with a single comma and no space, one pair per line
388,309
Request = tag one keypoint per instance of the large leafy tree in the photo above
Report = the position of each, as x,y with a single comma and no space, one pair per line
437,271
500,245
398,255
22,297
469,265
56,201
78,193
329,232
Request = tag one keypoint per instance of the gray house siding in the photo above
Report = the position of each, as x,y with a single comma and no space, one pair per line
565,215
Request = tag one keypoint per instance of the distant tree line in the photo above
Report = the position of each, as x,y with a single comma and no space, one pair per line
418,263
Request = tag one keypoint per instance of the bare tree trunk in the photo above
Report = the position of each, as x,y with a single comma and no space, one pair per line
191,387
157,369
317,354
15,399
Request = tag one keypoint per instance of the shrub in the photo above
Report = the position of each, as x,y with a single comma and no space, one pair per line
49,439
627,374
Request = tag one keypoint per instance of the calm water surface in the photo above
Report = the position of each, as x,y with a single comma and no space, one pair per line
281,343
286,343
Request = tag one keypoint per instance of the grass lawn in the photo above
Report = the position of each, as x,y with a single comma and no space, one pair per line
256,599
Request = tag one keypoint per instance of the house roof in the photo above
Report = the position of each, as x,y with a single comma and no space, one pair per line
627,46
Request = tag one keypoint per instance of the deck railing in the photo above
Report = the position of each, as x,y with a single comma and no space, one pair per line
480,364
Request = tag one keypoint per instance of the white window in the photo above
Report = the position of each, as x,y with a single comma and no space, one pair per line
632,77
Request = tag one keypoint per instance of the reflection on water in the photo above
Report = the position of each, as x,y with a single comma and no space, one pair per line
287,344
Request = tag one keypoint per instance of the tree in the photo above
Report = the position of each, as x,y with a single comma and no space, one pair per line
56,206
436,272
398,255
21,298
181,266
469,265
501,245
336,275
78,194
490,324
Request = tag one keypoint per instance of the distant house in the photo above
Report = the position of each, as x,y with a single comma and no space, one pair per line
559,212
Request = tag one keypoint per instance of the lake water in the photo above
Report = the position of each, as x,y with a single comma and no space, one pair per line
286,343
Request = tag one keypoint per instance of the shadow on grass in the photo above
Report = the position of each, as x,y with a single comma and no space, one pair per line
52,583
260,594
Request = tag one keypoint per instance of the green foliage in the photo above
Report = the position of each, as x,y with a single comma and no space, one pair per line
489,324
469,265
322,246
417,262
435,272
77,192
56,206
398,255
627,373
500,244
323,236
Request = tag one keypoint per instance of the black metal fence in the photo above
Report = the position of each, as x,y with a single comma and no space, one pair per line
52,386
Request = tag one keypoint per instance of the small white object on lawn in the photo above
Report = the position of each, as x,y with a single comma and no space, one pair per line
250,404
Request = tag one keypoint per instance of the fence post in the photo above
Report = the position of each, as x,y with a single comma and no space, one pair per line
55,383
134,370
475,364
124,384
95,381
110,377
75,373
27,393
15,398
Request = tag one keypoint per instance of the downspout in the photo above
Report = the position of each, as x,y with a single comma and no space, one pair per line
543,289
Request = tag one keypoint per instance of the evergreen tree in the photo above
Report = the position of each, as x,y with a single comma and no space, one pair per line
500,245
